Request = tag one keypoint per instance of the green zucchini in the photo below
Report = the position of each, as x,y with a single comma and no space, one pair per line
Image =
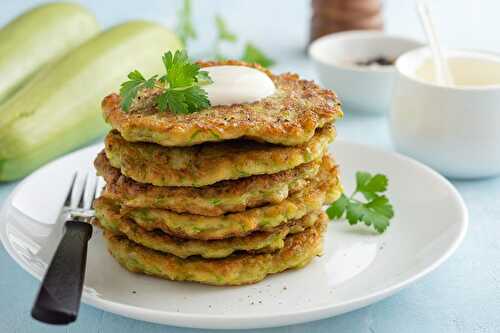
39,36
59,109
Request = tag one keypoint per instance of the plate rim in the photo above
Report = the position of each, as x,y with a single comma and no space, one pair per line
276,319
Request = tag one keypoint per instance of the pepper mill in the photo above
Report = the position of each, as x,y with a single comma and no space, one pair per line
329,16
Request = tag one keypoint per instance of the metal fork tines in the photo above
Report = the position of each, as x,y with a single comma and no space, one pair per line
80,197
58,300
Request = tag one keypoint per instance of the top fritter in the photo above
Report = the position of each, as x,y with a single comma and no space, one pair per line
289,117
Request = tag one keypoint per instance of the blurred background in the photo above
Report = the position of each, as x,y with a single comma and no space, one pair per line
281,27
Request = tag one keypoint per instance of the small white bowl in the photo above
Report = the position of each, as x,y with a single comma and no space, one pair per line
366,89
455,130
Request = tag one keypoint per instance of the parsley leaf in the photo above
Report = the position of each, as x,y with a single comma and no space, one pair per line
337,209
252,54
223,32
377,211
185,28
180,71
369,185
223,35
181,85
203,78
183,101
130,89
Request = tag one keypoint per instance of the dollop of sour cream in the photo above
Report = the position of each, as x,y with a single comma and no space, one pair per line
237,85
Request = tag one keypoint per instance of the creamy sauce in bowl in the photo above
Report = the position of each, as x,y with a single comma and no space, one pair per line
469,69
237,85
466,71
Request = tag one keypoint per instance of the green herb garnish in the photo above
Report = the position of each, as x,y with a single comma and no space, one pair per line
223,35
186,31
252,54
185,27
181,85
376,211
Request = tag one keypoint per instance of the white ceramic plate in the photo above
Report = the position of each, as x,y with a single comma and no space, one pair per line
358,268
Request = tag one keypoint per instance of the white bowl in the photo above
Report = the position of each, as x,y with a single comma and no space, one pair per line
455,130
360,88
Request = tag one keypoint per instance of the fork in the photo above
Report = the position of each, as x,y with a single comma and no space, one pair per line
59,296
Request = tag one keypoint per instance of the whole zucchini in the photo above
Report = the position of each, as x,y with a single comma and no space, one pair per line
39,36
59,109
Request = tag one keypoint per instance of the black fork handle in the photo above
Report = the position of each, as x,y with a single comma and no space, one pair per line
59,297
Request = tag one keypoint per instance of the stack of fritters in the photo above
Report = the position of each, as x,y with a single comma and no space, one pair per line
223,196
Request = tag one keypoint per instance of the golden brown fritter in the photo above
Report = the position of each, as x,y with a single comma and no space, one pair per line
207,164
324,189
288,117
212,200
257,242
238,269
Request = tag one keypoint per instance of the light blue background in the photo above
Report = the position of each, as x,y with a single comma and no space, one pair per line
463,295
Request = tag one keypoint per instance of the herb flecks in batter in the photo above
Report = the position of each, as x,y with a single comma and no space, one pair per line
181,91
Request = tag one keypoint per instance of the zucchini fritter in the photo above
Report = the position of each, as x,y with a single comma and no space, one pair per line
257,242
212,200
245,268
207,164
288,117
325,189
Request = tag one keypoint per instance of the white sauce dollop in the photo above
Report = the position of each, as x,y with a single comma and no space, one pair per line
237,85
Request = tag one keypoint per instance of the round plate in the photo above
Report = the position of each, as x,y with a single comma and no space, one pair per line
358,267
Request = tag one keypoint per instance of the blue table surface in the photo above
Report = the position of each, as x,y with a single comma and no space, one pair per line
463,295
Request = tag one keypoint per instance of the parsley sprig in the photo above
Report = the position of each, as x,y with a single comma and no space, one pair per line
253,54
185,26
186,31
223,35
180,86
375,211
223,31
